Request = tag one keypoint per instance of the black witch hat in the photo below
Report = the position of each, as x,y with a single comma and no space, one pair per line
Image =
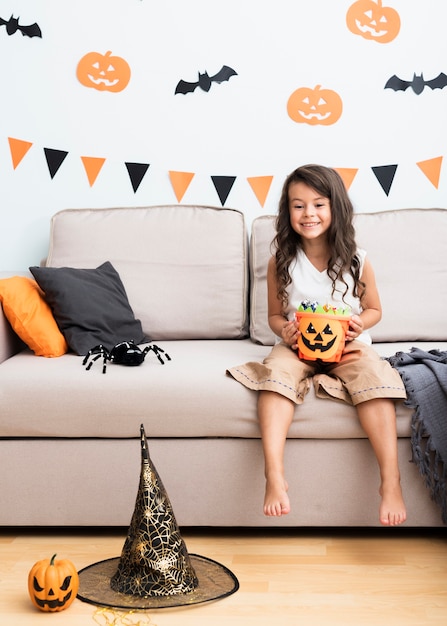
154,560
155,569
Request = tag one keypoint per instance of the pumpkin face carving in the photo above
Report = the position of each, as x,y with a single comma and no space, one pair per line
373,21
322,336
103,72
315,106
53,585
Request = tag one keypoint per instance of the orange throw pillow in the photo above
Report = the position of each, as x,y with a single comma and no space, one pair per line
30,316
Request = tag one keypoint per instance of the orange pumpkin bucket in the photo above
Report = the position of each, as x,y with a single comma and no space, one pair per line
322,335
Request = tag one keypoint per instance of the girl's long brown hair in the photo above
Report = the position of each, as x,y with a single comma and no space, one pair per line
341,234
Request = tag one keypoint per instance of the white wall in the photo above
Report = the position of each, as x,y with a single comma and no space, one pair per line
239,128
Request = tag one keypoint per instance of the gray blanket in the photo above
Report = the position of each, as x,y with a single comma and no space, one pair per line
424,375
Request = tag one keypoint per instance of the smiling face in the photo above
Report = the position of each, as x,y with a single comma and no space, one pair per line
310,212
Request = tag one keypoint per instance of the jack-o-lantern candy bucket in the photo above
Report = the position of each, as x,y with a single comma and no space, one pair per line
322,336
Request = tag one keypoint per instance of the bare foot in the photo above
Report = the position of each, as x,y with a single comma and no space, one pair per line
276,501
392,510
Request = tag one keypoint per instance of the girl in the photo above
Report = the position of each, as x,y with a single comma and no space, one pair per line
317,259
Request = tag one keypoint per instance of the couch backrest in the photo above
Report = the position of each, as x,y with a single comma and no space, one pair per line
406,248
184,268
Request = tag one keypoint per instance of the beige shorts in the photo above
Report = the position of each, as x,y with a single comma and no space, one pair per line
360,375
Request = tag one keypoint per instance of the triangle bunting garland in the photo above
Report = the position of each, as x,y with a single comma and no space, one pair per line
223,185
348,174
180,182
54,158
92,166
432,169
261,187
385,175
136,171
18,149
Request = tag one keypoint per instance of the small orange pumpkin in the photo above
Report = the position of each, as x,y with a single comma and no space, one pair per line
315,106
373,21
321,336
103,72
53,585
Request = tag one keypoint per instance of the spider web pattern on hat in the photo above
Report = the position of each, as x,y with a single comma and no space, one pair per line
154,560
155,569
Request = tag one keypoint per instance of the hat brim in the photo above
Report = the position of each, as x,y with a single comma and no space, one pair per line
215,582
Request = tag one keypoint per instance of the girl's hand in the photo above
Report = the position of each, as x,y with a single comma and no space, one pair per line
289,334
355,328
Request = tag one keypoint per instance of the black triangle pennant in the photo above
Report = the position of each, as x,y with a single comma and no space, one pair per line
137,172
385,176
223,185
54,158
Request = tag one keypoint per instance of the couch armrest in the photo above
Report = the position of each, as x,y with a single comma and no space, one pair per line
9,342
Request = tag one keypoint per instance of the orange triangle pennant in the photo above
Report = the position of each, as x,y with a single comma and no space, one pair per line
92,166
180,182
18,149
347,174
261,187
432,169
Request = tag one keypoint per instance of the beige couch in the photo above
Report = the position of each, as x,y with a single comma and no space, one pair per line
69,439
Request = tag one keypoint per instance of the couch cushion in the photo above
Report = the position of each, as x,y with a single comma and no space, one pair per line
184,268
263,231
405,248
189,396
89,305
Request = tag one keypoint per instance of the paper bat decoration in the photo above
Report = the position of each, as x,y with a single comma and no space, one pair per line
417,84
206,81
12,26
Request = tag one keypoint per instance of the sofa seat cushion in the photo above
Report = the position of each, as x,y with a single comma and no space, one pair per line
189,396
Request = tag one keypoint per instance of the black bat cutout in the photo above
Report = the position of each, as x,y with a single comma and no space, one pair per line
206,81
417,84
12,26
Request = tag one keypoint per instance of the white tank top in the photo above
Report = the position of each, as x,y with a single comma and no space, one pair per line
308,283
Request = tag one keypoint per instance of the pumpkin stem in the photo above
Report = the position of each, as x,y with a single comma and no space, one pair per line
52,559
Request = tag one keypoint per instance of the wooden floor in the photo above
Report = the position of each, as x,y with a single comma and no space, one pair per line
293,577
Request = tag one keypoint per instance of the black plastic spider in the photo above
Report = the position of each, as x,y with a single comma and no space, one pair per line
124,353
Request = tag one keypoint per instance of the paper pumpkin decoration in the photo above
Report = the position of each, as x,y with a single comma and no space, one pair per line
103,72
371,20
322,336
52,584
315,106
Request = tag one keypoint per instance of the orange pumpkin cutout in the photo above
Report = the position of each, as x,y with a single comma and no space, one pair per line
373,21
53,585
321,336
103,72
315,106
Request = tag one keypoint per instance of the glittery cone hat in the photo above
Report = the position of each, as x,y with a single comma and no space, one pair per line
154,560
154,569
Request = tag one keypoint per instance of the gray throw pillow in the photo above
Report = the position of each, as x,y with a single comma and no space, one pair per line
90,306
